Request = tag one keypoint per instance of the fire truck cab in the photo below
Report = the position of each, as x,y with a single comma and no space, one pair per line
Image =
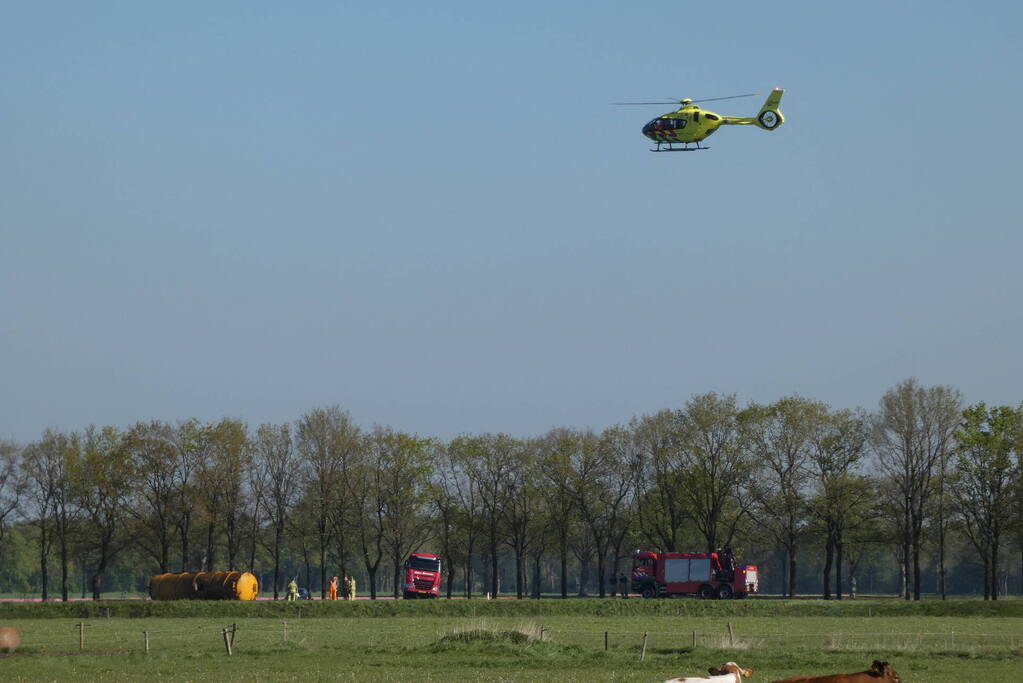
422,576
705,575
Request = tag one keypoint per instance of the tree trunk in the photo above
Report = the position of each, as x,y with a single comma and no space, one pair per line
584,576
63,567
323,568
987,578
839,547
277,563
941,555
536,575
906,551
829,552
231,542
371,575
564,568
308,571
97,584
519,573
97,577
916,568
211,545
493,563
184,529
994,568
43,573
792,570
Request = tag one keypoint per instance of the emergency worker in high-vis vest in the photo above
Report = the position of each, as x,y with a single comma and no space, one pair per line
332,589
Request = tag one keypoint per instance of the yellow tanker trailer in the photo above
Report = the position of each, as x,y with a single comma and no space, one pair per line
204,586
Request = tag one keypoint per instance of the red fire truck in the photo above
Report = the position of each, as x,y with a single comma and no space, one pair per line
422,576
706,575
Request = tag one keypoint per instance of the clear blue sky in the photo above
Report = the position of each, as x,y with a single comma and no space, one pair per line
429,214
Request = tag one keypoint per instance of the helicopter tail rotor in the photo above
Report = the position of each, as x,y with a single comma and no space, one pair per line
770,116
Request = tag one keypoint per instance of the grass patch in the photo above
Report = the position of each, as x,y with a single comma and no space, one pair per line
440,648
536,609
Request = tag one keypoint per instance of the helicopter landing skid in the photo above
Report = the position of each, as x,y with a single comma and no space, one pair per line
670,148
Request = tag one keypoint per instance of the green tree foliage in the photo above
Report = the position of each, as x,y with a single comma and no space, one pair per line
556,513
986,468
912,436
103,477
781,439
843,503
327,441
714,465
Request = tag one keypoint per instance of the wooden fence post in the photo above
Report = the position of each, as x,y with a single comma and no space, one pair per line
227,641
145,635
642,655
605,641
285,631
731,635
694,640
234,629
81,635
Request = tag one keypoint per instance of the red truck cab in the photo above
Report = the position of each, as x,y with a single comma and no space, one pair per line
705,575
422,576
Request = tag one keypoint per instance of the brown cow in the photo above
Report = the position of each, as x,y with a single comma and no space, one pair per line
10,639
880,672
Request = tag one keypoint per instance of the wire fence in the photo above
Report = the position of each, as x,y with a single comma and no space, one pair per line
103,636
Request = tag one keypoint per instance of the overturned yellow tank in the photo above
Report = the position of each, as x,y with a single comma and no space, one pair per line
204,586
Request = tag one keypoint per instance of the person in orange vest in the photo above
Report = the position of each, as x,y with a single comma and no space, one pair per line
332,594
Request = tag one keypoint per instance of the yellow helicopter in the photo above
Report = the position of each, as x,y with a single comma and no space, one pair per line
689,124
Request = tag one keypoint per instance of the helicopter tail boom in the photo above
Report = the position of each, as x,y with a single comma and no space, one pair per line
769,117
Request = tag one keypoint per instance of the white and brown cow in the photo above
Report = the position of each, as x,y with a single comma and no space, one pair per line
729,673
10,639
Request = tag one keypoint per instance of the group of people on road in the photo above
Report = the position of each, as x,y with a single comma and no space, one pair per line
349,589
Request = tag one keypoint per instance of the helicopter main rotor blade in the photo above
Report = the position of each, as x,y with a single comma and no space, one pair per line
676,102
730,97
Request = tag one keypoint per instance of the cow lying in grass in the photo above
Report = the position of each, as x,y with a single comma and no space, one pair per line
729,673
10,639
880,672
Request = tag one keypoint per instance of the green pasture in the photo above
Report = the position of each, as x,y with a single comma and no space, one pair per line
408,641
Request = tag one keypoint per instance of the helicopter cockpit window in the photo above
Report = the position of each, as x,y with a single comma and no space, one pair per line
712,117
696,116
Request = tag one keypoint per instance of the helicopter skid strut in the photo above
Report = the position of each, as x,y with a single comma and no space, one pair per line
672,148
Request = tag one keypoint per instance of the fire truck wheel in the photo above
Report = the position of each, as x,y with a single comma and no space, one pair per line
705,592
649,592
724,592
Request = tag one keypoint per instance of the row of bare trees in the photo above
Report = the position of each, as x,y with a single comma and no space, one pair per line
709,474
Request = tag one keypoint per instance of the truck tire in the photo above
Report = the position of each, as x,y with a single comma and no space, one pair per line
724,592
649,592
705,592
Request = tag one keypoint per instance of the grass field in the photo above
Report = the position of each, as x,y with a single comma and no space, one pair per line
446,641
